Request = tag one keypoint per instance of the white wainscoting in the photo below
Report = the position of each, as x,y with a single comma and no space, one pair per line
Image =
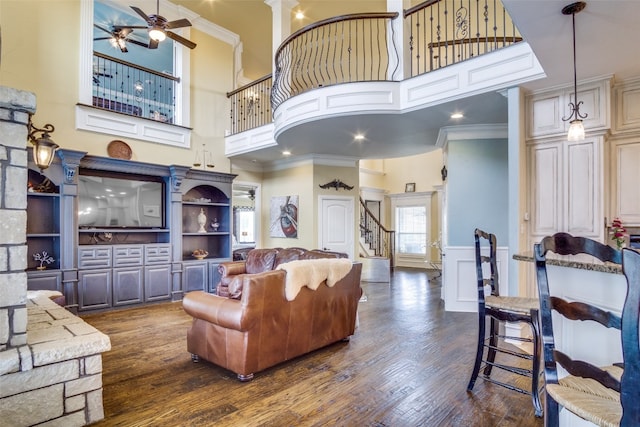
460,285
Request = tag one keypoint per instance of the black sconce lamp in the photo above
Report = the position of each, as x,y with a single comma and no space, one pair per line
576,128
43,147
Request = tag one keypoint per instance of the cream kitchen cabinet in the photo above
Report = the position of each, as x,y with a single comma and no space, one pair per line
626,178
546,109
566,183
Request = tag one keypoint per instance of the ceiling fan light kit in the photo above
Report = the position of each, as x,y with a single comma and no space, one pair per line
157,34
158,28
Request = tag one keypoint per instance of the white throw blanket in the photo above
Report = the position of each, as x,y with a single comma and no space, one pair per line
312,272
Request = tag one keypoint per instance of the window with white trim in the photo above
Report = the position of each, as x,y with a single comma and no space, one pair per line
411,230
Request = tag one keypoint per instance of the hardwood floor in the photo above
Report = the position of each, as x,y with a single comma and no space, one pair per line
407,365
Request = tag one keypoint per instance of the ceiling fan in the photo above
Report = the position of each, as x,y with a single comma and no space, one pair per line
158,27
119,37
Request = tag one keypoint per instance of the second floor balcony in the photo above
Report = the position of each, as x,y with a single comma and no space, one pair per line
389,77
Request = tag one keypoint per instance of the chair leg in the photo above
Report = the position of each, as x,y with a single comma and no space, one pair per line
535,369
493,343
479,348
551,411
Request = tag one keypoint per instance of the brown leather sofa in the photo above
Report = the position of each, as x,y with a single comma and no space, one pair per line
252,326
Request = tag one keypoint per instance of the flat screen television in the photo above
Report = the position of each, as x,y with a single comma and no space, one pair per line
115,200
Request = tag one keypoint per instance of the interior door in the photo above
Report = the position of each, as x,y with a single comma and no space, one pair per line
336,224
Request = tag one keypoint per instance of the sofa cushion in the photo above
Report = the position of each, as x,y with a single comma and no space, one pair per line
287,255
260,260
318,254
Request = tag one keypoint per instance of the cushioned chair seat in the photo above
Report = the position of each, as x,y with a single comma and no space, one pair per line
589,399
517,304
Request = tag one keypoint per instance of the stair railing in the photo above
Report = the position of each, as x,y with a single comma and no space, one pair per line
379,239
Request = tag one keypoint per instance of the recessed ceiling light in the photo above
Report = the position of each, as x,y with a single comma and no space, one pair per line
457,116
299,15
358,137
286,153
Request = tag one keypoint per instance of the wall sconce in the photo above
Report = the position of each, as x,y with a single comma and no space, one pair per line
576,128
43,147
252,99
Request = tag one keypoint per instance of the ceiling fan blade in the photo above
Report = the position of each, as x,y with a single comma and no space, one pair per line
123,48
102,28
142,15
132,27
179,23
102,38
138,43
180,39
153,44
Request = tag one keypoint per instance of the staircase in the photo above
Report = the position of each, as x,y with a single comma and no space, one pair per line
376,247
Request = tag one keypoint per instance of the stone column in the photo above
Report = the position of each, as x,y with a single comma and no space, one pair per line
15,107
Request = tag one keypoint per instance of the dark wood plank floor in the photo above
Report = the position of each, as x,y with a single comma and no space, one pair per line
407,365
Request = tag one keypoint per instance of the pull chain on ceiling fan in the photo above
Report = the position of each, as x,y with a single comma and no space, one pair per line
158,27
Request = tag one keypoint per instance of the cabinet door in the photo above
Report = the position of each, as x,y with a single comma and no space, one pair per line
627,177
194,276
94,289
545,189
157,282
44,281
583,192
127,286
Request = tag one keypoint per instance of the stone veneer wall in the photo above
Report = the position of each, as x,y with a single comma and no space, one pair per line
50,359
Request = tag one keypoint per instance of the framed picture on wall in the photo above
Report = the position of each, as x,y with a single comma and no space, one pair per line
284,216
410,187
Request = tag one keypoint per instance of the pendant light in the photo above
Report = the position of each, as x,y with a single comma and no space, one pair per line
576,128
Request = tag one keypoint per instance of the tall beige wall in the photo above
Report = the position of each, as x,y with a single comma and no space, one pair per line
296,181
41,51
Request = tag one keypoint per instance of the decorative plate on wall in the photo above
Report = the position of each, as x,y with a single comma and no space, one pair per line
119,150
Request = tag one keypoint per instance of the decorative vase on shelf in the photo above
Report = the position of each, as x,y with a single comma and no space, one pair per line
215,224
202,220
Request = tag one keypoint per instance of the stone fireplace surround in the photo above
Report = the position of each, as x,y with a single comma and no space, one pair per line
50,359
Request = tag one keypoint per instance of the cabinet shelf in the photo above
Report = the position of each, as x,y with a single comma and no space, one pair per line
30,235
120,230
208,233
36,194
206,204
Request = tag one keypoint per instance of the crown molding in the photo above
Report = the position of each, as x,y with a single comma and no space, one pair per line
471,132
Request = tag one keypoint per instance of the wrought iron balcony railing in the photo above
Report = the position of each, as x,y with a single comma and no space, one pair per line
445,32
343,49
134,90
251,105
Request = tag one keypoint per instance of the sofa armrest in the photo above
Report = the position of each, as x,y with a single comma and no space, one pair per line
224,312
232,268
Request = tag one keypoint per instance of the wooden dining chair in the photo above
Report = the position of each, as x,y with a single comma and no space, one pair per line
501,309
608,395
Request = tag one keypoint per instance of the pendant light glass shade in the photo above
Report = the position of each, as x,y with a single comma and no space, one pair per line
576,131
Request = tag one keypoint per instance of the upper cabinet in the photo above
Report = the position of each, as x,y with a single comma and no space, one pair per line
546,110
566,180
625,153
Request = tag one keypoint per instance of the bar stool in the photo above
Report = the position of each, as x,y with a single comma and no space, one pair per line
500,309
604,395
